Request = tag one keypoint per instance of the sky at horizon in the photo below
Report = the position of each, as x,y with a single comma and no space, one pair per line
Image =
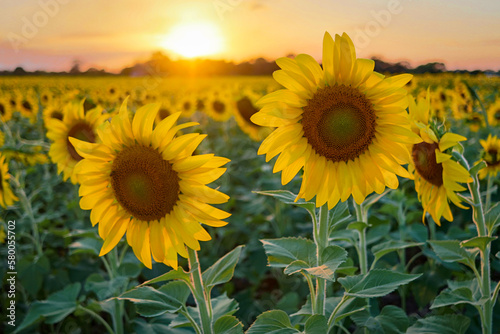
51,34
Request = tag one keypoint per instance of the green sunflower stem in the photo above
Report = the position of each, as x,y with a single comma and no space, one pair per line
488,192
479,221
201,297
26,204
362,216
321,240
117,316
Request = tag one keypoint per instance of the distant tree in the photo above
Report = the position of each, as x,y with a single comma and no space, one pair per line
19,71
430,68
75,69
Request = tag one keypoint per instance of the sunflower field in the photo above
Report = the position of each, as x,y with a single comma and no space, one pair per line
325,199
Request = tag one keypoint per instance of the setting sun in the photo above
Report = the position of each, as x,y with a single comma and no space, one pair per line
194,39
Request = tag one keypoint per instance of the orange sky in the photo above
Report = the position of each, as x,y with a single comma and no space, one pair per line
51,34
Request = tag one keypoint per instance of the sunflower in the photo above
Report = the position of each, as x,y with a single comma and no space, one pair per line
28,106
219,106
166,110
245,109
186,103
5,109
54,109
345,124
494,113
75,123
147,183
7,197
436,174
491,155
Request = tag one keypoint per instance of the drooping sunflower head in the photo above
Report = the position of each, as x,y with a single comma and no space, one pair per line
7,197
345,124
75,123
491,155
146,182
245,109
436,174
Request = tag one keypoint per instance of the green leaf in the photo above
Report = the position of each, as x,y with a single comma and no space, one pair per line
282,252
272,322
288,197
57,307
228,325
130,270
452,251
316,324
476,168
391,320
442,324
465,292
104,289
31,273
376,283
178,274
151,302
221,306
391,246
331,258
492,218
338,215
295,267
358,226
221,271
498,255
348,308
86,245
478,242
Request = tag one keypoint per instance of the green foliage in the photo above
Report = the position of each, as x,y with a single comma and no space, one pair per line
221,271
391,320
452,251
467,292
228,324
151,302
272,322
442,324
284,251
376,283
57,307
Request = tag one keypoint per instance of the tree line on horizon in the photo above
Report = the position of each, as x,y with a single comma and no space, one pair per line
160,64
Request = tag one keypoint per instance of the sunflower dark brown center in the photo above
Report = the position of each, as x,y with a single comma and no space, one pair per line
492,157
164,113
88,105
497,115
82,131
144,183
339,123
424,158
57,115
186,106
218,106
246,109
200,105
2,109
26,105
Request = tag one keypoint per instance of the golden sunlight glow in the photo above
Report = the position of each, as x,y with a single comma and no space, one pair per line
194,39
